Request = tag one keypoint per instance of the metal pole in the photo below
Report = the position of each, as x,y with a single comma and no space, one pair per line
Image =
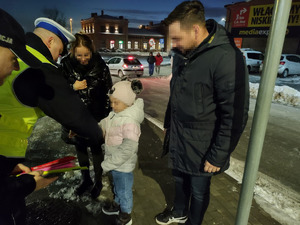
274,47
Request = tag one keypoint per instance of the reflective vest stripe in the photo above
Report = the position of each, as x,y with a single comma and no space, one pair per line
39,55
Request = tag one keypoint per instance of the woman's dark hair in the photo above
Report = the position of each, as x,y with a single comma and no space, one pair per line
187,13
82,40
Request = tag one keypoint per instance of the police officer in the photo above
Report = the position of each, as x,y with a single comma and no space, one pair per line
13,189
45,91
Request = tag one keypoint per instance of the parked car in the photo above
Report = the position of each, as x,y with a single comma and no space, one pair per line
252,58
104,50
289,65
125,66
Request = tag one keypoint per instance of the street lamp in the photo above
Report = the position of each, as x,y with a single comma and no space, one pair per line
71,24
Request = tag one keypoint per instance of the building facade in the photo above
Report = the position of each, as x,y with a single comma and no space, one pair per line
249,22
108,32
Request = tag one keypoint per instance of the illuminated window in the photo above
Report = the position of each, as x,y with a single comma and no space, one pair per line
116,29
112,44
121,45
129,45
161,44
145,45
152,47
136,45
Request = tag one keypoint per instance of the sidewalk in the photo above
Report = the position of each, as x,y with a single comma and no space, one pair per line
153,186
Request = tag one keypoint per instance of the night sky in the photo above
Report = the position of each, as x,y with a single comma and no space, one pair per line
136,11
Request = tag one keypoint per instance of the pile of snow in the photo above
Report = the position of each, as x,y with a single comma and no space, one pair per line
281,202
282,94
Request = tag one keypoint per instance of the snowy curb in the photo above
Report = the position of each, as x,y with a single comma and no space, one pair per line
282,94
282,203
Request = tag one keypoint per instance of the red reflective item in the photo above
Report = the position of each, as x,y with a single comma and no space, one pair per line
282,63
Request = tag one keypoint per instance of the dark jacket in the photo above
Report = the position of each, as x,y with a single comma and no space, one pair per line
151,59
98,78
47,89
13,191
208,106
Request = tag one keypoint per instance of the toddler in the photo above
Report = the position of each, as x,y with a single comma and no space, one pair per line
122,131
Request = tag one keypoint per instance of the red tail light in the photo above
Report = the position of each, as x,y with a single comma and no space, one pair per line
125,66
282,63
142,66
130,57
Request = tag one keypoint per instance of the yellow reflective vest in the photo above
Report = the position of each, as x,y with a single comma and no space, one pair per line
17,120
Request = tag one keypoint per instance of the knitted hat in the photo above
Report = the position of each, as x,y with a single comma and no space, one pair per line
126,91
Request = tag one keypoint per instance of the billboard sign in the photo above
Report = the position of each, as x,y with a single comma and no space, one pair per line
256,20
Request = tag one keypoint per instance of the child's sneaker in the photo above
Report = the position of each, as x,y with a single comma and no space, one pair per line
111,209
169,216
123,219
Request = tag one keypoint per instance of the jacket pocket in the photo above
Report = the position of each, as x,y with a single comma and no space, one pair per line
198,98
198,131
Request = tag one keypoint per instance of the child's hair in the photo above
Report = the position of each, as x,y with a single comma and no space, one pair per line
126,91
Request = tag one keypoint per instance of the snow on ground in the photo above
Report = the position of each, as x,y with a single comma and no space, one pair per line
66,191
282,94
286,90
282,203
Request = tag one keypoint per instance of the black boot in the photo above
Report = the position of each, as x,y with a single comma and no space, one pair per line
96,190
97,160
85,184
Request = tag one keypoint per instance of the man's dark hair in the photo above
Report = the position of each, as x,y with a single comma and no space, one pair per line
187,13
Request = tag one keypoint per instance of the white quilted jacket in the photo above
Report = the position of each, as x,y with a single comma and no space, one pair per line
122,131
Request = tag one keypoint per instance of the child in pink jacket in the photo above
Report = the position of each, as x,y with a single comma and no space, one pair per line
122,131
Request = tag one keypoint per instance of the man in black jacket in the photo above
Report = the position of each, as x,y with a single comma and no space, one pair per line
207,110
151,61
13,189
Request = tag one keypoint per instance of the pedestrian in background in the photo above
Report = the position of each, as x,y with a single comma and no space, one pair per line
89,77
158,61
207,110
13,190
122,131
151,61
